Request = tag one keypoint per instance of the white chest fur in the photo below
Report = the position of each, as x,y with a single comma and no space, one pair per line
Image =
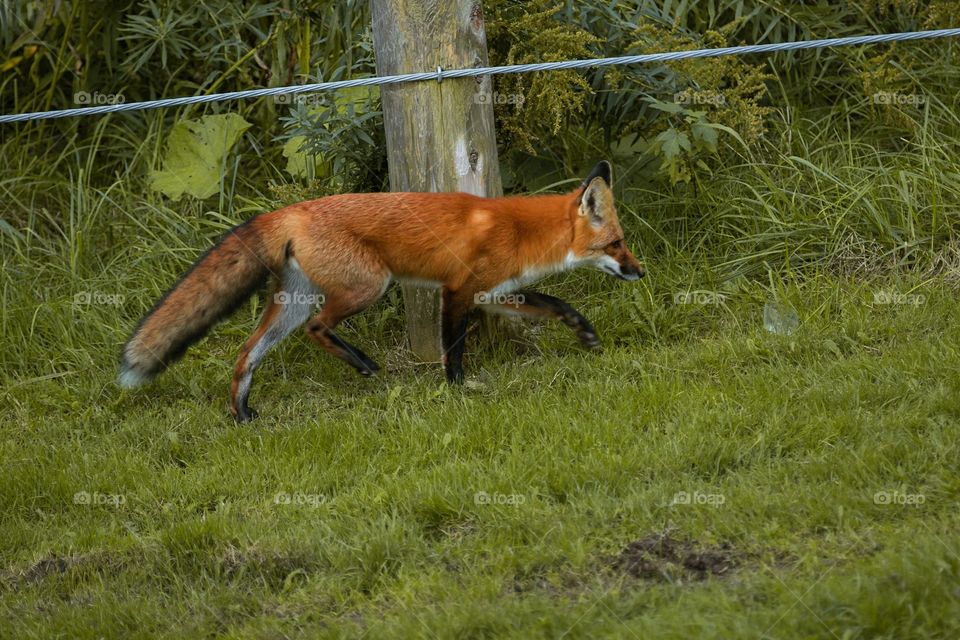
532,274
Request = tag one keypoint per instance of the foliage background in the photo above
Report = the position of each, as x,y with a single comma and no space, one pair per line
145,50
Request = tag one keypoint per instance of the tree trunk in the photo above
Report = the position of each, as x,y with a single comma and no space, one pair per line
440,135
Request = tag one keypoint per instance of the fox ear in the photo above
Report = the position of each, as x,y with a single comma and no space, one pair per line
590,202
602,170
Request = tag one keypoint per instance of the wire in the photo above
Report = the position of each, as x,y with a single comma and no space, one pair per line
439,75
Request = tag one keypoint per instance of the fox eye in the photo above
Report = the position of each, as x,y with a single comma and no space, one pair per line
616,244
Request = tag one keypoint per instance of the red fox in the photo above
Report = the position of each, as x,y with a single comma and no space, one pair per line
346,249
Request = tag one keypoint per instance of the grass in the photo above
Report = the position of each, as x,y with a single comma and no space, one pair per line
701,477
357,507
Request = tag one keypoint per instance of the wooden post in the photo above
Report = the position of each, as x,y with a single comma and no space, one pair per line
440,135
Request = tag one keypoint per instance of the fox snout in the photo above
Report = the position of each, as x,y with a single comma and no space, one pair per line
632,271
618,261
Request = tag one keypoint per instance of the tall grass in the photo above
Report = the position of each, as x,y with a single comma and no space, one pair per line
823,187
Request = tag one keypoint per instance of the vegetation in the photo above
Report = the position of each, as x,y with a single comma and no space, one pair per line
703,476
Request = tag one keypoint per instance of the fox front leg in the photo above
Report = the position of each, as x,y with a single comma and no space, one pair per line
455,314
534,304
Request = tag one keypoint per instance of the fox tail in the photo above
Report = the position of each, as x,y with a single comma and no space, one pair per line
217,283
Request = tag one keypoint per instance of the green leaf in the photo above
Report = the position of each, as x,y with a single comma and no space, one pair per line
706,135
669,107
628,146
720,127
358,97
196,150
299,161
671,142
833,348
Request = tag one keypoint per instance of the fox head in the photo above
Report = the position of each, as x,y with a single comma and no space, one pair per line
597,238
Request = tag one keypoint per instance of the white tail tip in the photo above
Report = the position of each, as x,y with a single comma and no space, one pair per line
130,378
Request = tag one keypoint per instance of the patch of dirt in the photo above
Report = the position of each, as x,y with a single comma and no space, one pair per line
661,557
864,258
946,263
275,569
47,566
54,565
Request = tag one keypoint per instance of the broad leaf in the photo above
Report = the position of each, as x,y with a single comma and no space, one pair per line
706,134
299,162
196,151
671,142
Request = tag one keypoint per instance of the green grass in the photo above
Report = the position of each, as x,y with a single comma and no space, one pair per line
822,465
384,534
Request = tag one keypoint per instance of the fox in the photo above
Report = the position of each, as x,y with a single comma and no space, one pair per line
346,249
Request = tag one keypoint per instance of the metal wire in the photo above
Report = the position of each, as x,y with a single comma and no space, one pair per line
440,74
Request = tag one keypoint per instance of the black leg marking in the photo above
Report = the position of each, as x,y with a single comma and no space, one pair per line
564,312
454,335
245,413
454,350
354,356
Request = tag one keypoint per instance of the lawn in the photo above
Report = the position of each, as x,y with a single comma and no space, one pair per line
700,477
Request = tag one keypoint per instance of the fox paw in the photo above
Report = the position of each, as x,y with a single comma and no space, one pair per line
589,339
245,414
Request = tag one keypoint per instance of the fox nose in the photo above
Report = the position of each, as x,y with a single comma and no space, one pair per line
631,272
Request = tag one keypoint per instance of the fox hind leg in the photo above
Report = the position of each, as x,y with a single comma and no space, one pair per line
340,304
290,306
